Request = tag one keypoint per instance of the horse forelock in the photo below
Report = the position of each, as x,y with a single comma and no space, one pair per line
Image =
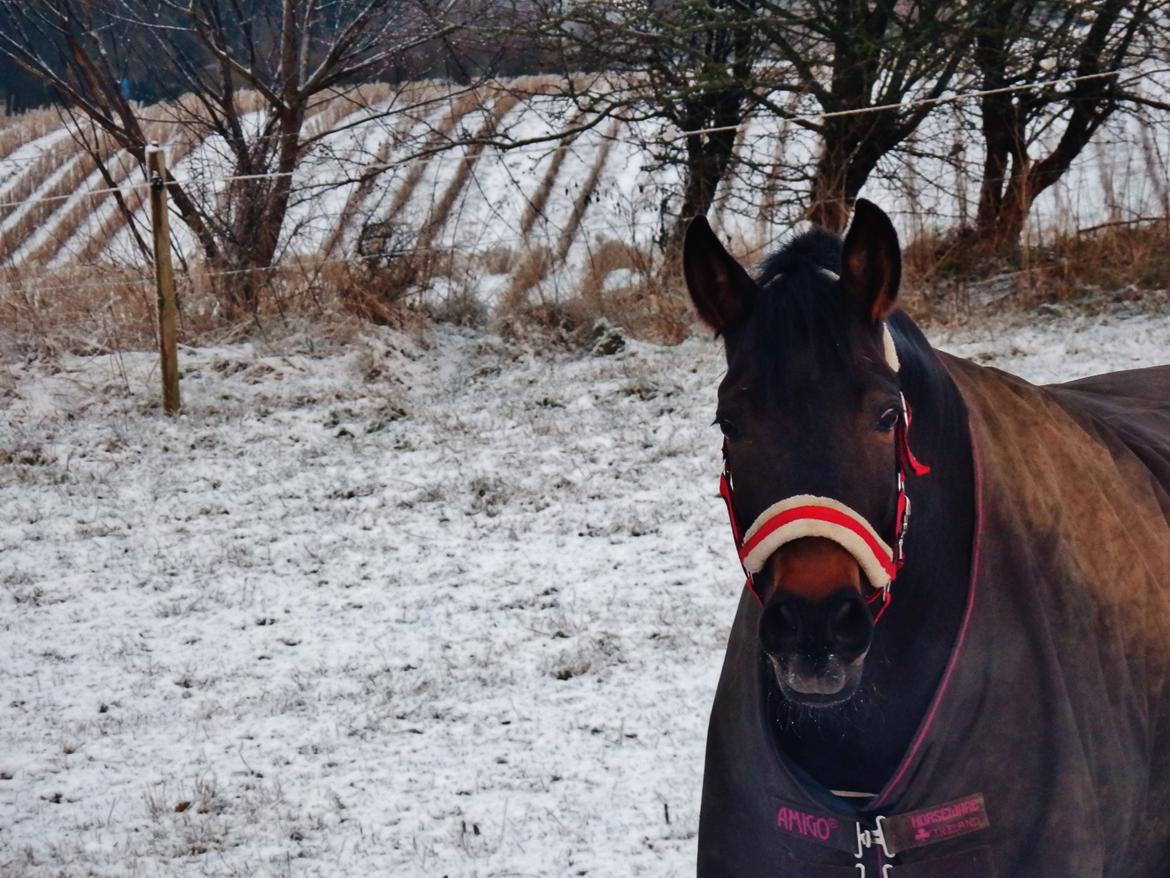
802,320
813,249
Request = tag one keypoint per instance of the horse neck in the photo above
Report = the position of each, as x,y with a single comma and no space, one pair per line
930,592
943,500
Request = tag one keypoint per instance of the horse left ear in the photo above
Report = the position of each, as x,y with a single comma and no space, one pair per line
721,290
871,261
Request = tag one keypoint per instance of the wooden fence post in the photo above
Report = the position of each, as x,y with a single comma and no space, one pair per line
164,274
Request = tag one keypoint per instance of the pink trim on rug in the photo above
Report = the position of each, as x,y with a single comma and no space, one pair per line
976,556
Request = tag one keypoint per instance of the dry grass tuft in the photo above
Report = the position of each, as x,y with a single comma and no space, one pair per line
639,290
25,127
530,270
495,260
79,309
377,291
949,275
442,208
92,309
607,257
1113,257
623,285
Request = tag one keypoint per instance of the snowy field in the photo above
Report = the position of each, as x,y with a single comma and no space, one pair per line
607,189
434,605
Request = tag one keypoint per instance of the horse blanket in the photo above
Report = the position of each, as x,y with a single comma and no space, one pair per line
1046,751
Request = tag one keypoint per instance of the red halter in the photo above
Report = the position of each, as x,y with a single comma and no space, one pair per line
806,515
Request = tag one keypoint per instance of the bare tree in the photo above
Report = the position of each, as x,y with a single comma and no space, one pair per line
290,55
693,64
873,70
1032,136
859,76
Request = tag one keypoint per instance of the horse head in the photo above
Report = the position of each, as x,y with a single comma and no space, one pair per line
814,426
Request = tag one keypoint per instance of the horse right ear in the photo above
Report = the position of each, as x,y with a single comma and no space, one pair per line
871,261
720,288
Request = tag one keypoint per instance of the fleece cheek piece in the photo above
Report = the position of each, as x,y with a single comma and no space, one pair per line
889,352
808,516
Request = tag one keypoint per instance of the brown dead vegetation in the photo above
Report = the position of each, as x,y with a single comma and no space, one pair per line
536,264
90,309
76,310
632,287
947,276
27,127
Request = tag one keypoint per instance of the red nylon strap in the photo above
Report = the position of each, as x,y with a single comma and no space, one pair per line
905,455
725,493
886,596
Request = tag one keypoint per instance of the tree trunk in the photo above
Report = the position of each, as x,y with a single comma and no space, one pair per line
262,205
853,146
830,202
996,110
708,158
1002,235
1004,204
1005,191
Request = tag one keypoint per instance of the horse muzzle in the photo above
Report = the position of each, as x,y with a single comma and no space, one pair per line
816,648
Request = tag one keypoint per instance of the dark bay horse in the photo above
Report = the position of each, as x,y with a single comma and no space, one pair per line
952,654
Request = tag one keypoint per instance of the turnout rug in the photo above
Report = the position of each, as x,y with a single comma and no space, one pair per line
1046,751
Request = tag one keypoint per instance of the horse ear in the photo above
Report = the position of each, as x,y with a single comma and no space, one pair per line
871,261
720,288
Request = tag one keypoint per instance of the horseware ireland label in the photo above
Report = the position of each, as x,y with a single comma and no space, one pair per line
939,823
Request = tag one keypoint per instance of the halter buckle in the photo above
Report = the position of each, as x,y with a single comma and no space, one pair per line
903,521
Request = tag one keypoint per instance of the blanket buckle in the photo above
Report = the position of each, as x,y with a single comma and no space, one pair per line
867,838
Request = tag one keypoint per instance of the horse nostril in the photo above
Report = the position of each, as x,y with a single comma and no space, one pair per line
780,627
850,625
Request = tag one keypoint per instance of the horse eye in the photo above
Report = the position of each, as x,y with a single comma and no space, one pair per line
729,427
889,419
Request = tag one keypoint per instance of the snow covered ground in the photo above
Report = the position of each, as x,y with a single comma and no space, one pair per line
433,605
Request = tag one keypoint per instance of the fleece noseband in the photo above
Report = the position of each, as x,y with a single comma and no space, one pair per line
805,515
